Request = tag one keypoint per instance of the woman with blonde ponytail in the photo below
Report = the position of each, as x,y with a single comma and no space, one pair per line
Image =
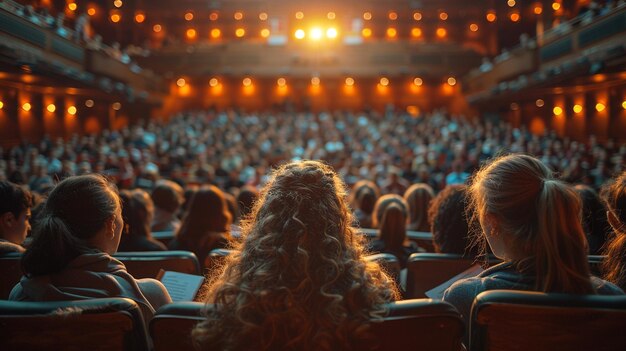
532,222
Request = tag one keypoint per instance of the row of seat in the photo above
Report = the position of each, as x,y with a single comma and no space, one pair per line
501,320
425,271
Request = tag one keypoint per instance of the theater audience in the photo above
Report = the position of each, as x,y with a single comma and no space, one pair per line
449,225
614,266
531,221
418,198
70,255
15,205
206,226
298,279
594,219
167,197
137,212
363,198
390,217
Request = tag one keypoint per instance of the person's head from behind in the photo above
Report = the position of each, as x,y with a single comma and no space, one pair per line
531,218
390,216
298,279
364,196
614,197
167,196
245,200
208,213
448,220
594,218
82,214
15,205
137,211
418,197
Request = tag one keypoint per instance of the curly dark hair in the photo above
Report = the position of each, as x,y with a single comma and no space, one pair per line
614,266
449,224
298,280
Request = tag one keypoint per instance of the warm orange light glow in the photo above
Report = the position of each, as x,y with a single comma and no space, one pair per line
91,11
416,32
26,106
213,16
115,17
331,15
157,28
72,6
71,110
418,81
366,32
299,34
247,82
367,16
491,17
384,81
443,16
393,16
623,105
514,106
577,108
331,33
116,106
240,32
89,103
413,110
265,33
215,33
538,9
263,16
51,108
316,33
539,103
281,82
315,81
511,3
451,81
441,32
1,105
214,82
473,27
191,33
140,17
118,3
556,6
238,16
299,15
391,32
557,110
417,16
600,107
514,17
189,16
349,81
181,82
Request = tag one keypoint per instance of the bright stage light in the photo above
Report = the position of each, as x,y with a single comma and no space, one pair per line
299,34
331,33
316,33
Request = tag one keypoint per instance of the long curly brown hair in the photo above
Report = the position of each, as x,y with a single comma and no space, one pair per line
298,279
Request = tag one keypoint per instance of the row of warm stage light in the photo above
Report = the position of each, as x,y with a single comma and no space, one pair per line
315,81
71,110
558,110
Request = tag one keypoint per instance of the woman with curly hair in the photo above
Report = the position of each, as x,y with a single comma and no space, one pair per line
614,196
298,279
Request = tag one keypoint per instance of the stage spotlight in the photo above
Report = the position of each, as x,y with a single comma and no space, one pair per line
391,32
89,103
118,3
247,82
140,17
557,110
191,33
491,16
443,16
238,16
299,15
240,32
51,108
26,106
281,82
418,81
265,33
1,105
556,6
263,16
366,32
72,6
299,34
539,103
181,82
600,107
473,27
71,110
214,82
331,33
330,15
315,81
451,81
367,16
157,28
349,81
577,108
417,16
215,33
384,81
393,16
116,106
316,33
441,32
188,16
416,32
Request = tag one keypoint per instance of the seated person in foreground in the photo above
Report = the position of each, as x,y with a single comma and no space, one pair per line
298,280
15,204
532,222
69,259
614,265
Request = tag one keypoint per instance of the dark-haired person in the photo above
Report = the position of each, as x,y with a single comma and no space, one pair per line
137,211
595,222
531,221
449,224
15,204
70,256
299,280
245,200
363,198
167,197
390,217
206,226
614,196
418,197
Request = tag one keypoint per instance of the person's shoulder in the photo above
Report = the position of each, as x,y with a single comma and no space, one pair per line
603,287
154,291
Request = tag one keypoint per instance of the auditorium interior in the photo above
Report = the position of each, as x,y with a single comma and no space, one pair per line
214,95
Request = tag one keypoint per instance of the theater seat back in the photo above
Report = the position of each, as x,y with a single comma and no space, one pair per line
522,320
97,324
10,273
147,264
